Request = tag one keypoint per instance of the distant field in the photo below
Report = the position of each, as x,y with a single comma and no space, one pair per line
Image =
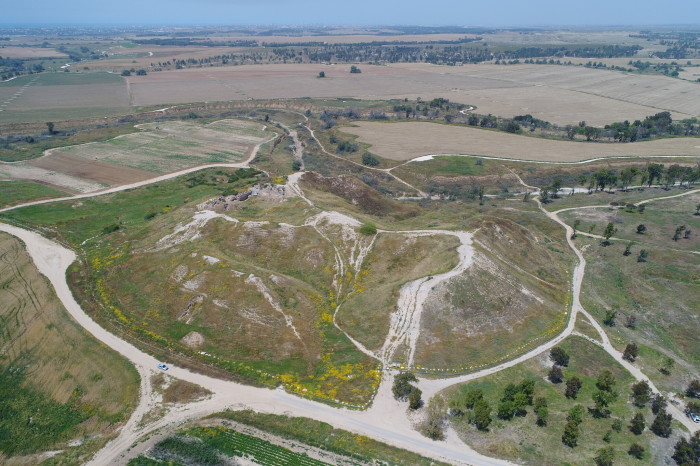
61,91
653,92
29,52
408,140
160,148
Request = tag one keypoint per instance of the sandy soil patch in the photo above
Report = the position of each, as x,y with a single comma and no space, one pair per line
101,172
408,140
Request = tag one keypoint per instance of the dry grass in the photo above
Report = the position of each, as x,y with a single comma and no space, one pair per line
516,291
408,140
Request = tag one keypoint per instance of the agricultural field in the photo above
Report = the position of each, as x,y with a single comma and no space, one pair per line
157,149
18,192
59,96
408,140
61,390
520,439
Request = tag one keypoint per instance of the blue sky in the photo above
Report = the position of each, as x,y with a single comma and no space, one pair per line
360,12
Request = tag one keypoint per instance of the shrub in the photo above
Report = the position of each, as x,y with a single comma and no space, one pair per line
636,450
555,374
605,456
370,159
402,385
368,229
414,398
662,424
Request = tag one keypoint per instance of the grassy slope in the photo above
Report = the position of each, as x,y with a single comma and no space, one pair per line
65,384
149,312
484,315
522,441
394,261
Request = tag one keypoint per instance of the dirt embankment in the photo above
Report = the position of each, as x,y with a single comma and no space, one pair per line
359,194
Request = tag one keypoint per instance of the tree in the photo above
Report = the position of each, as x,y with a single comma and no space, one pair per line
605,456
677,234
559,356
141,72
544,195
687,452
636,450
606,381
641,393
628,249
555,374
482,415
126,73
570,437
638,424
693,389
641,229
643,255
402,385
573,385
658,403
541,410
667,366
617,425
577,223
697,210
49,127
610,316
662,424
321,74
631,352
355,70
631,321
414,398
607,438
556,187
370,159
602,399
610,230
575,414
506,410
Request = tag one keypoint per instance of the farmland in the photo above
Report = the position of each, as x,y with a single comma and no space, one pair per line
156,149
406,140
52,371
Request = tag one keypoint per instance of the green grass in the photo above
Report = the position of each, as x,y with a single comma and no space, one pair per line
324,436
521,440
29,420
661,294
17,192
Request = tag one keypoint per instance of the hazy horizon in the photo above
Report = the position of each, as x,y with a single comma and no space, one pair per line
507,13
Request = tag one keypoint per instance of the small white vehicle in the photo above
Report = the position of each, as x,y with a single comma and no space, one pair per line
694,417
162,366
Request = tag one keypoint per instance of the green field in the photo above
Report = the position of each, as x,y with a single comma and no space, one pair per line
324,436
18,192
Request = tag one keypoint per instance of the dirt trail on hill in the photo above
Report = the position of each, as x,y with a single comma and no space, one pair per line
405,321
